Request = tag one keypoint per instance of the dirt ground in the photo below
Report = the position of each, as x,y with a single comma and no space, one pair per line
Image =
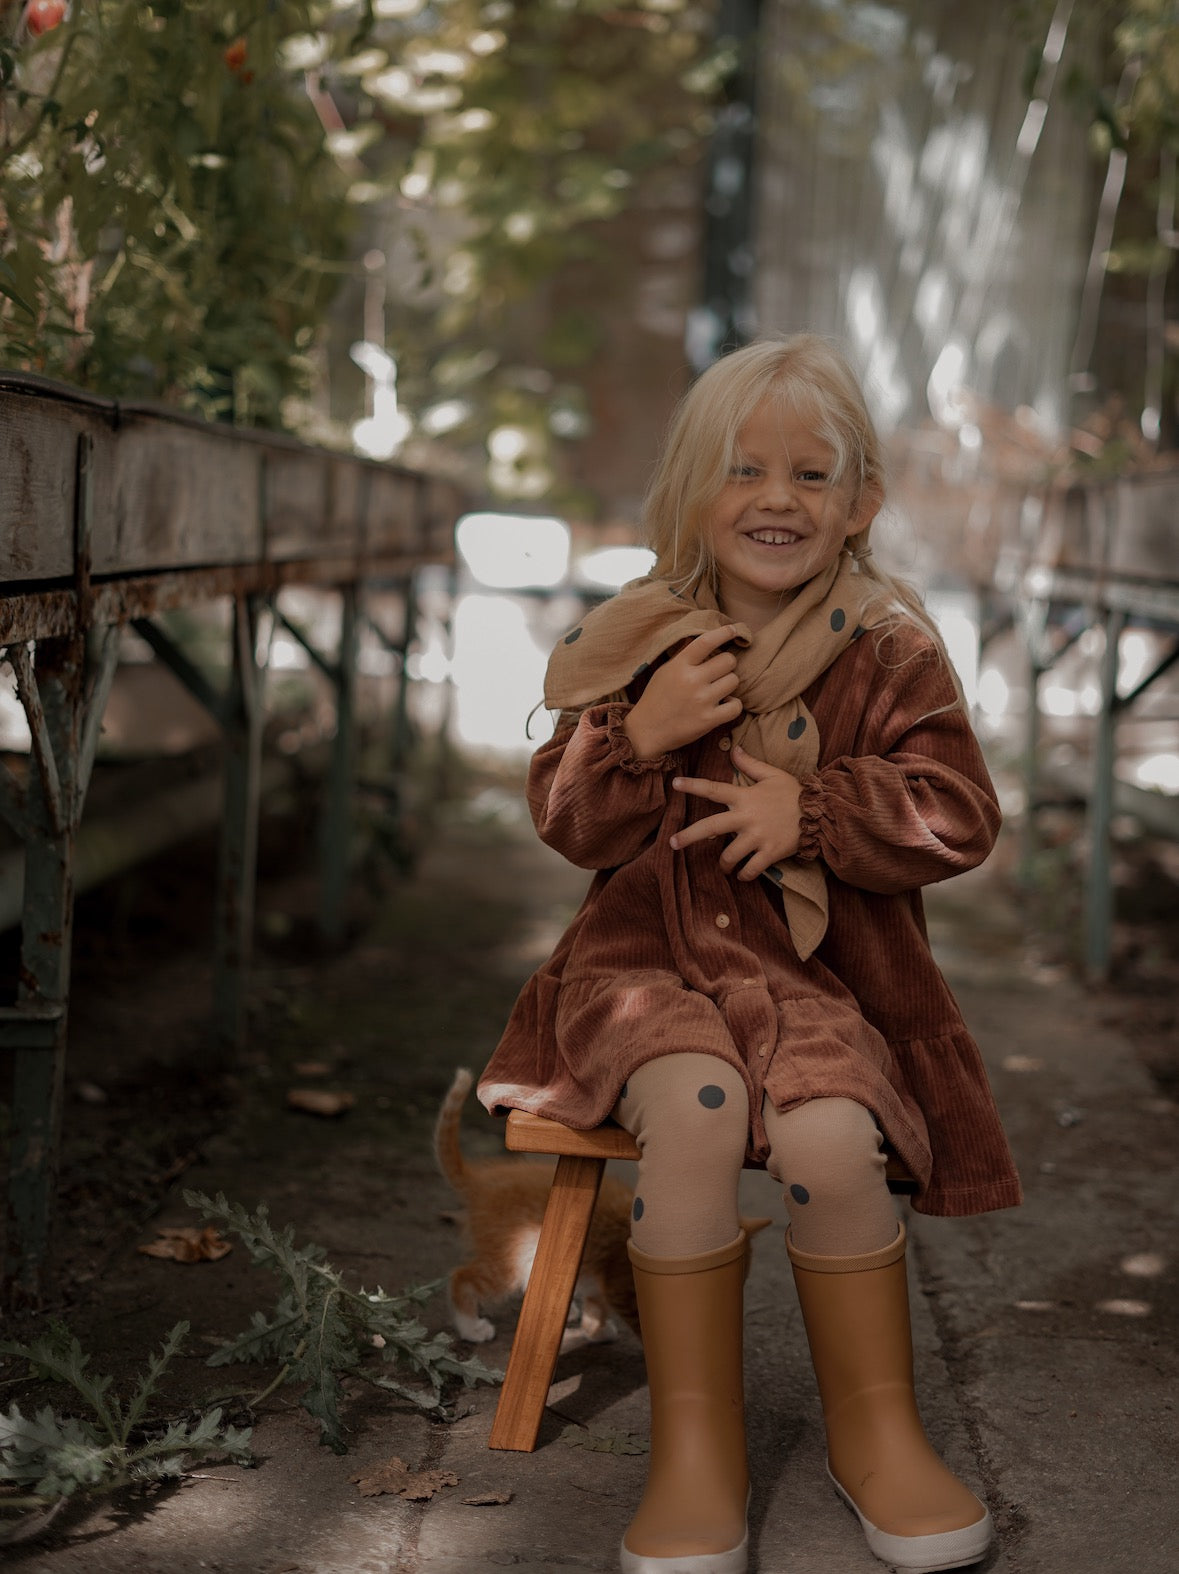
423,986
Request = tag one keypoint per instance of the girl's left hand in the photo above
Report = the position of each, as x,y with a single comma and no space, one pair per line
762,819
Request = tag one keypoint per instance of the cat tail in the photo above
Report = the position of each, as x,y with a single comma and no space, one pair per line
447,1151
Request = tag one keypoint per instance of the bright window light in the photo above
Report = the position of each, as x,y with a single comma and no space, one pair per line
1056,700
1160,771
944,387
993,693
955,613
498,673
615,566
514,551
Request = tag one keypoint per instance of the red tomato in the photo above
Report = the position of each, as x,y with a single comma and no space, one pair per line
42,16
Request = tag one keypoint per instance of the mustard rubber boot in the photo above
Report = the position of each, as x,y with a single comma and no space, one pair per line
692,1517
915,1512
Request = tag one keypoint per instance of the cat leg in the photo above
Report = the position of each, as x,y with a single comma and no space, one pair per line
464,1287
596,1324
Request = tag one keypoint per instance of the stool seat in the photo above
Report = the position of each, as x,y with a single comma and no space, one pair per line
581,1162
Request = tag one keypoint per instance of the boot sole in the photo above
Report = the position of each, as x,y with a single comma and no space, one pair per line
735,1561
949,1549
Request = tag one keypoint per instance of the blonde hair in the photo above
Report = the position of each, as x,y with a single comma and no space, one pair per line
803,373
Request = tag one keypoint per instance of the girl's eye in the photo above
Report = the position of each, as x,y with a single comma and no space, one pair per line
812,475
743,472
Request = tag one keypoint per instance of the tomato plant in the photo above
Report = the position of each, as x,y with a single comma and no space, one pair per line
42,16
166,235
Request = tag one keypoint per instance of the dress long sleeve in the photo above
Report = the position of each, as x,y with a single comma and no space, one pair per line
912,802
591,800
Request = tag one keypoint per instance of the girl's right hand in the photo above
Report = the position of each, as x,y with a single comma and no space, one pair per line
686,697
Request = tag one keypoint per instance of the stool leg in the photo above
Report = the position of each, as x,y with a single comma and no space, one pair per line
537,1340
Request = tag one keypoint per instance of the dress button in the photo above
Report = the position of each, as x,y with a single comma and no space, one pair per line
725,743
763,1049
722,920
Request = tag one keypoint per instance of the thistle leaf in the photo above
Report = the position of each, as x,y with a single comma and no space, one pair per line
320,1331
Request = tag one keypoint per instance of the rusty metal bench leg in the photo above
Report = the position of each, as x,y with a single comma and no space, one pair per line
537,1340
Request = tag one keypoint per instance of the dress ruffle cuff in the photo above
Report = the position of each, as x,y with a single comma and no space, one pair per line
811,807
623,750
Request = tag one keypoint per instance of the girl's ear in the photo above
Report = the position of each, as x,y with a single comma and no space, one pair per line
870,502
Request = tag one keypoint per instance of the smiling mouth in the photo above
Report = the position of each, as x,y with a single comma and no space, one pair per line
774,538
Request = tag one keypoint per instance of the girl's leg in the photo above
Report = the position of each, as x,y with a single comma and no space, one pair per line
827,1156
690,1116
849,1267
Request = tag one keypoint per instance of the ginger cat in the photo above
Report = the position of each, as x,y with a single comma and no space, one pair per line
505,1202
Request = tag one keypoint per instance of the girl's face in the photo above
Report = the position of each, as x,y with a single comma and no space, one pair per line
780,518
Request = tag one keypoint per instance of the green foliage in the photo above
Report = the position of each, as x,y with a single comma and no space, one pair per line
171,218
51,1457
184,184
321,1331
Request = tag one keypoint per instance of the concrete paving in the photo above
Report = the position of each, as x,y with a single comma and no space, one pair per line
1045,1335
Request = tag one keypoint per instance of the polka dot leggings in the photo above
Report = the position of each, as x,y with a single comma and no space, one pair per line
689,1115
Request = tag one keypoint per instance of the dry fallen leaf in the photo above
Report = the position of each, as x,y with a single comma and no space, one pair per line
319,1101
604,1440
487,1499
396,1478
188,1244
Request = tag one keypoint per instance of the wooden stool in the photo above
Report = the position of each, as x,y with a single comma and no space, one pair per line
581,1163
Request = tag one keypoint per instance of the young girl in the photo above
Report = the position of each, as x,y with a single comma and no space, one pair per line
764,754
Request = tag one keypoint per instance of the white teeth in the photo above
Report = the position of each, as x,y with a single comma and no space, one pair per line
774,538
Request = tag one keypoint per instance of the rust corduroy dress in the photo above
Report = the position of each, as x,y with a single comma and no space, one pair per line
667,953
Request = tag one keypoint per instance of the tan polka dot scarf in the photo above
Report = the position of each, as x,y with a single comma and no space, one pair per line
619,640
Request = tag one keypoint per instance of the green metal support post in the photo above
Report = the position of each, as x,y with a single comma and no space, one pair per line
336,825
402,732
52,700
1099,887
1032,622
242,715
1029,839
63,691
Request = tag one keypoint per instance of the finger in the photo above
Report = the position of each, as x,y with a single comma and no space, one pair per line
702,787
757,770
737,851
706,830
724,679
755,866
708,643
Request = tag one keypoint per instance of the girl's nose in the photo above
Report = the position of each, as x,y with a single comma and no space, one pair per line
778,489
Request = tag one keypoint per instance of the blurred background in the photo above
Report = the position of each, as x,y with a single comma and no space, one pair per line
493,240
337,339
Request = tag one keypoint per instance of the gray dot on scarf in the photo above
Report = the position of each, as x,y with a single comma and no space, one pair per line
797,727
800,1194
574,634
838,619
644,666
711,1096
859,631
773,873
637,1210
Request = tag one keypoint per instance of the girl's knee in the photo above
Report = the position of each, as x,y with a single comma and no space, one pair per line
690,1117
831,1143
827,1156
690,1105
